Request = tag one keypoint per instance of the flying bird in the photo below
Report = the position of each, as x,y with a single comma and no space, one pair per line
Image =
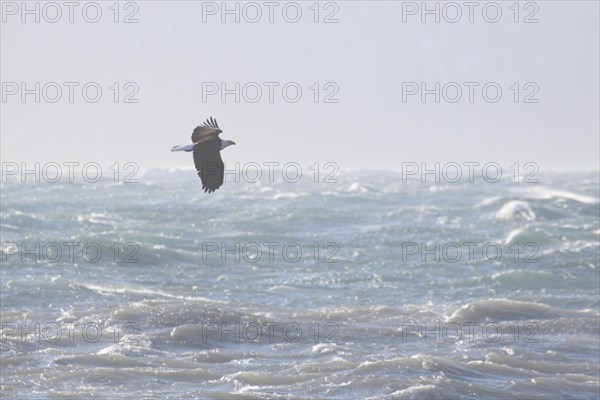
207,147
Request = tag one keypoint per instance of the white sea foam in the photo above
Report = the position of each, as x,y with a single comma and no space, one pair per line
357,187
545,193
516,209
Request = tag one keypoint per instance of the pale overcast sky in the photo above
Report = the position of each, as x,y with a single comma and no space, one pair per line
363,61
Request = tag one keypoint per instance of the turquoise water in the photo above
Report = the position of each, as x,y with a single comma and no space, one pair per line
354,289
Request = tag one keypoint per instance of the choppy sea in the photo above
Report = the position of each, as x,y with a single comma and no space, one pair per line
362,287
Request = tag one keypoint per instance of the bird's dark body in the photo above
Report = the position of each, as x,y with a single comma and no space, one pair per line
208,162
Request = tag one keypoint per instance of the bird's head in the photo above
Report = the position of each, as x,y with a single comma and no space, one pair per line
225,143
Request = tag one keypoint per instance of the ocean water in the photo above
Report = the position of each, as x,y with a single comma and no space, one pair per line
368,287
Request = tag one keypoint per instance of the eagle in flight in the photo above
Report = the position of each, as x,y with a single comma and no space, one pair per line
207,146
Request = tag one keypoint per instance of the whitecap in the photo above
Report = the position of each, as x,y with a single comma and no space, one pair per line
288,195
516,209
512,235
542,193
359,188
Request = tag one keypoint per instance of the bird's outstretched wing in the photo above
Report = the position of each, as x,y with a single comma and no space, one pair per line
206,131
211,122
208,162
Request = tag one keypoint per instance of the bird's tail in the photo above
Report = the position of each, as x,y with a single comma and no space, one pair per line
187,147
